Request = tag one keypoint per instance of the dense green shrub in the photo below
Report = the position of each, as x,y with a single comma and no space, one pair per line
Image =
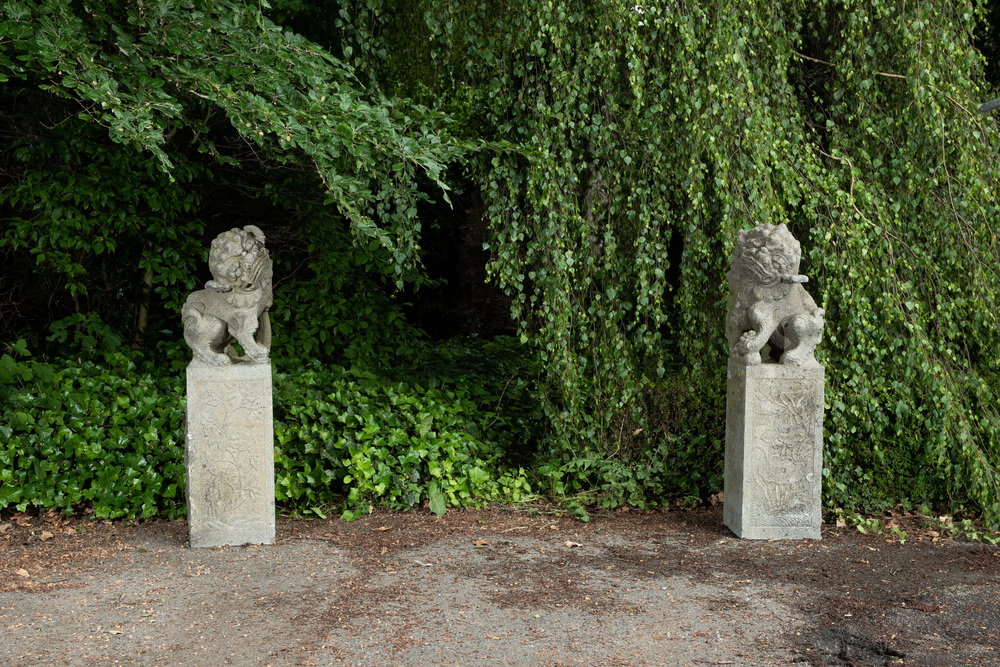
384,443
107,437
673,451
102,435
407,435
338,309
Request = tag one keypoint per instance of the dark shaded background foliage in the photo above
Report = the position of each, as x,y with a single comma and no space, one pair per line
570,173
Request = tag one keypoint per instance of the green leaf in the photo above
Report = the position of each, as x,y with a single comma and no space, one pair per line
438,504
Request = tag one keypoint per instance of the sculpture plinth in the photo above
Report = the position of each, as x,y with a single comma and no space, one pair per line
774,403
229,453
774,451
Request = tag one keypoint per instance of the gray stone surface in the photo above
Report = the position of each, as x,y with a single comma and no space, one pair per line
774,406
230,454
774,451
768,307
234,304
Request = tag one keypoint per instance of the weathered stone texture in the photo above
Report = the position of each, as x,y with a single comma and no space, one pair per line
230,454
774,451
234,305
768,307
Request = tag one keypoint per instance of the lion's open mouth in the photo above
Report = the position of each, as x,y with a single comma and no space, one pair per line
763,273
254,274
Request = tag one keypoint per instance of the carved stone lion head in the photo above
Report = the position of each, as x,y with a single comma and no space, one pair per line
767,253
238,258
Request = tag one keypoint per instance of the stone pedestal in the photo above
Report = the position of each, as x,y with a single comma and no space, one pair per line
774,451
229,454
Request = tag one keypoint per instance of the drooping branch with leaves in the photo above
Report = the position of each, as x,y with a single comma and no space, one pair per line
160,76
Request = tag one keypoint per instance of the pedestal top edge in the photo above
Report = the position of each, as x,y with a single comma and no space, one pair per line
238,370
776,371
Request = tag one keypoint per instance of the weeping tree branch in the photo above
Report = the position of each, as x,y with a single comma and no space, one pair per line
823,62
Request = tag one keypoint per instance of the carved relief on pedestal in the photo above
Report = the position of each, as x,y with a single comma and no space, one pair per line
235,484
783,452
230,454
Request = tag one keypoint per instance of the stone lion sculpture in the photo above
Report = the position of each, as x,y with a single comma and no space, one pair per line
767,303
234,304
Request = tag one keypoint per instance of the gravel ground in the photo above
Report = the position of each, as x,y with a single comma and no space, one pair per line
491,587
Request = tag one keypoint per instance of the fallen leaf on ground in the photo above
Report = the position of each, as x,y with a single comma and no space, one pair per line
572,544
23,573
69,531
4,527
22,520
382,528
841,523
46,535
115,632
480,543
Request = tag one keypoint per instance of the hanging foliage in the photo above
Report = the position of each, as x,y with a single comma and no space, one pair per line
631,141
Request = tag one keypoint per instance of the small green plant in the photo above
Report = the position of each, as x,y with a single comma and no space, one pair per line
16,375
577,509
898,534
866,525
966,529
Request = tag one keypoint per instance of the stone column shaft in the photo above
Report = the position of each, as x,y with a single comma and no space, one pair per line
229,454
774,451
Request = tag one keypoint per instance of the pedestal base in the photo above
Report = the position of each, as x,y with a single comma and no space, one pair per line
229,455
774,452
